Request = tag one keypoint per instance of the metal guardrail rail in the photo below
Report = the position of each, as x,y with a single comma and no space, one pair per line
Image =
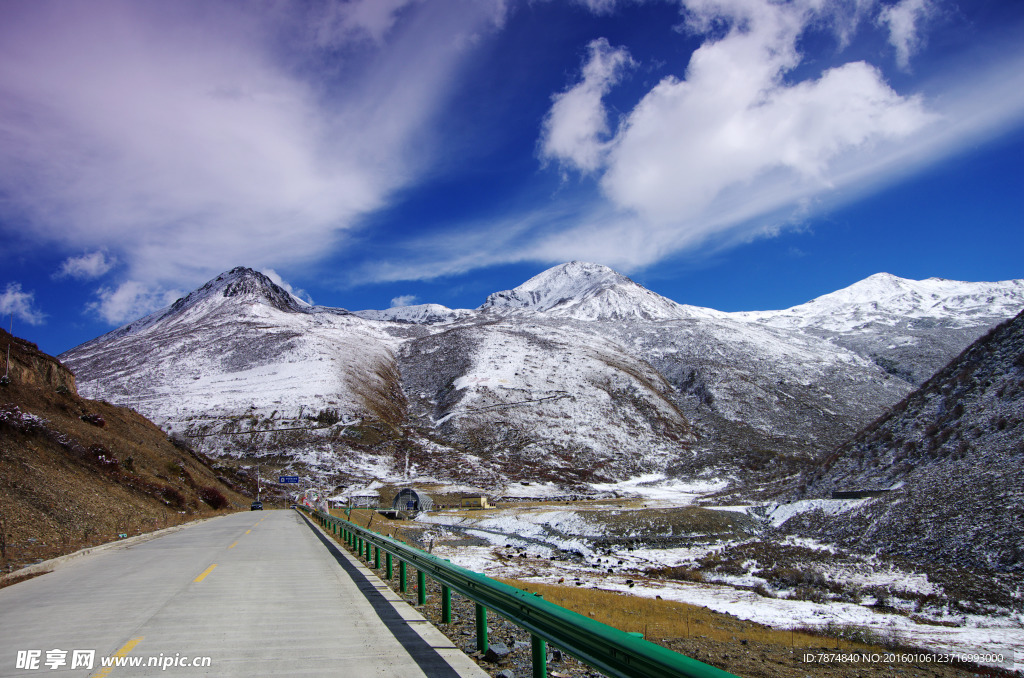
607,649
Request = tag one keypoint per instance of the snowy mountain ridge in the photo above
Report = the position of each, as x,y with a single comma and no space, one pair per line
577,376
425,314
884,298
587,291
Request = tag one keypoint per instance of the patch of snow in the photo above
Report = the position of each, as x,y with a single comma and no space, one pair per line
660,488
783,512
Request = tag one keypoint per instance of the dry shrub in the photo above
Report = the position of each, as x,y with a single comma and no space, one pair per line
172,496
678,573
214,497
380,392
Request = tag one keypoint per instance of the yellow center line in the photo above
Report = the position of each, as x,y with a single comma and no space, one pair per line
248,531
233,545
205,572
123,652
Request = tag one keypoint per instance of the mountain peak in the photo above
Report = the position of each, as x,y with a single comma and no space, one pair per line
246,285
240,284
586,291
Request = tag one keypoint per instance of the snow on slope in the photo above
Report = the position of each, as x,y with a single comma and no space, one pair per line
234,347
952,459
884,299
534,393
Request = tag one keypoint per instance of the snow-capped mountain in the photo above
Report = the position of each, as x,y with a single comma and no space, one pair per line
577,375
885,299
911,328
238,344
587,291
422,314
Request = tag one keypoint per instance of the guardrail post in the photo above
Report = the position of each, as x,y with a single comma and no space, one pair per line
481,629
446,605
539,656
609,650
539,653
388,566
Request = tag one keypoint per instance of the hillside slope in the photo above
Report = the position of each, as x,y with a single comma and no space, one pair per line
951,457
77,472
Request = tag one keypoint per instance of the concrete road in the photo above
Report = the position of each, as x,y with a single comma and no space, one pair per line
249,594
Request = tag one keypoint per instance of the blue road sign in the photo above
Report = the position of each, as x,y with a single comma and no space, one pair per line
288,479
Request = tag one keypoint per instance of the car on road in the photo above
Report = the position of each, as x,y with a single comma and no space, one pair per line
256,506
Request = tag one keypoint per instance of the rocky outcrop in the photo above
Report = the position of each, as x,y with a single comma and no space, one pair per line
30,366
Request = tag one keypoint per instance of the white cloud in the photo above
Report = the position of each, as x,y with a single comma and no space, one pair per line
130,300
575,130
903,20
403,300
86,266
21,304
733,140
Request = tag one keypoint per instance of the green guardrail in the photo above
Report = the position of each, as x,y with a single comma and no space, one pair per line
607,649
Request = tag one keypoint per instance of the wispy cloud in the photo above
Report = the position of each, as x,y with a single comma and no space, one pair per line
15,301
904,22
734,119
185,137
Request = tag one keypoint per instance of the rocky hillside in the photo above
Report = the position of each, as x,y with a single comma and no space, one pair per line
949,462
576,376
77,472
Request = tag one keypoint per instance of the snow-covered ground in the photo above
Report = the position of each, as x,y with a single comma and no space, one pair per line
659,490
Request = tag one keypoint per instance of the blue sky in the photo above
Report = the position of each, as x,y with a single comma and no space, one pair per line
737,154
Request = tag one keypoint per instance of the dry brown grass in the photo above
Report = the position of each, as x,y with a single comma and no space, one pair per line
668,620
